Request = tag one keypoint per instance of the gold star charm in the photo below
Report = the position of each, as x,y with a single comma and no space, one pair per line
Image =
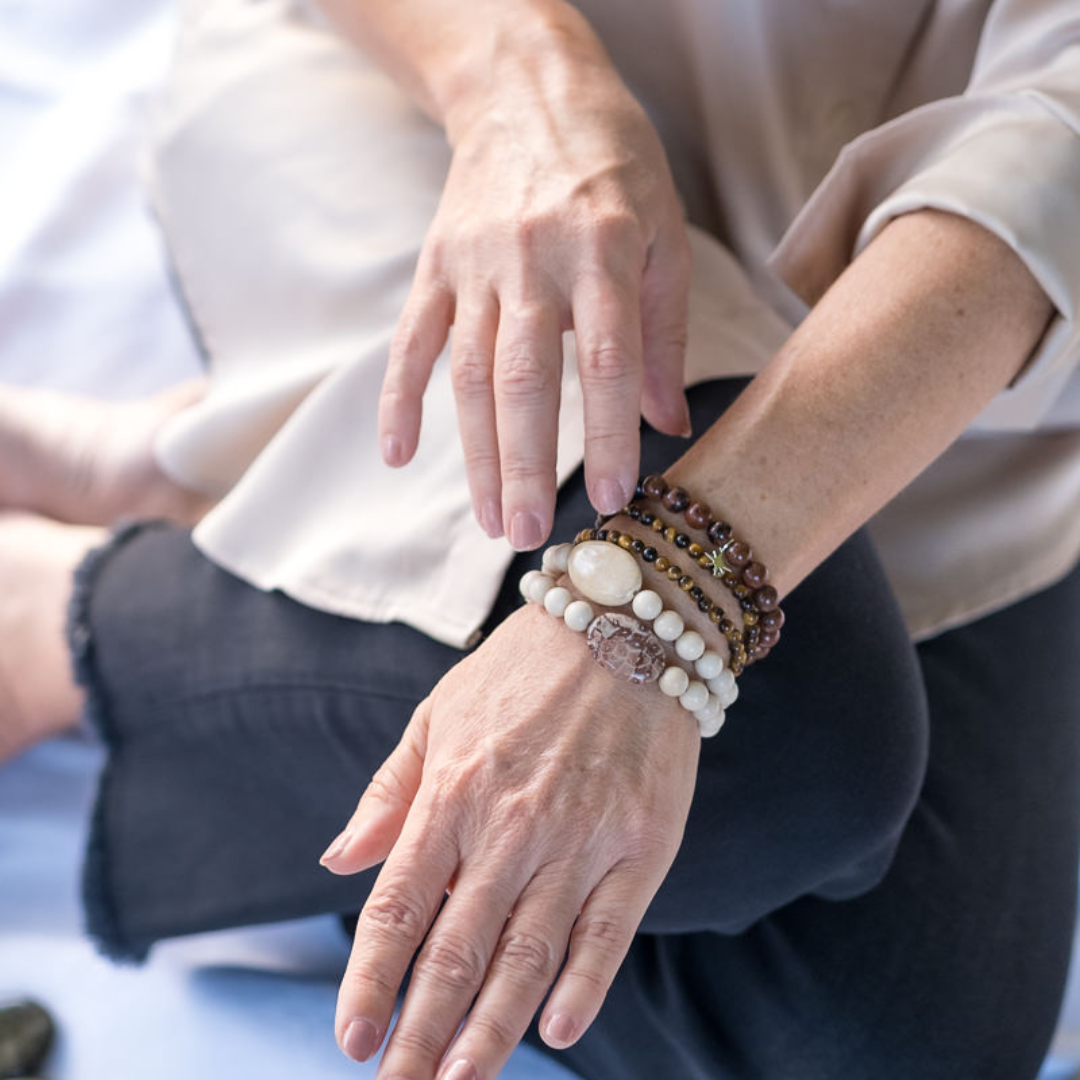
716,563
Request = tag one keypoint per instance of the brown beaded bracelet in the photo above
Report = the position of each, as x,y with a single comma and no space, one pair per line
738,655
711,561
733,561
714,562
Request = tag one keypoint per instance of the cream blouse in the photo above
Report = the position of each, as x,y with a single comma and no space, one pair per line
295,183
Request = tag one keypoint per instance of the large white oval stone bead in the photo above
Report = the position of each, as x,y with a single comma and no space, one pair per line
604,572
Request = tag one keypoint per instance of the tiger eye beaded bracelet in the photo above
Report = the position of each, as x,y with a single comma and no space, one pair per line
673,572
714,561
732,561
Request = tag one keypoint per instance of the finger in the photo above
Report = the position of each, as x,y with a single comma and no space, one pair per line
451,968
528,378
472,359
418,339
607,328
384,806
599,944
393,922
665,300
526,961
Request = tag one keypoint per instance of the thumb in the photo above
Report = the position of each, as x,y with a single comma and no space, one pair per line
375,826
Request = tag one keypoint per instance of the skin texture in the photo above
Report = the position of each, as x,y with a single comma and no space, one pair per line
559,212
530,783
557,828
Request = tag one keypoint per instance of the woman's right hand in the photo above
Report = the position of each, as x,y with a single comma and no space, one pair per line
559,212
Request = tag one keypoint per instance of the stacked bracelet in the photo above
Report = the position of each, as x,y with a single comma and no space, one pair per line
619,642
673,572
732,561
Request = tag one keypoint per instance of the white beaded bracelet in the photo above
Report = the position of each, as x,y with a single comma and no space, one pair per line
623,645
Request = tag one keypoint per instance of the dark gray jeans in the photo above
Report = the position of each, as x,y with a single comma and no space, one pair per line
878,876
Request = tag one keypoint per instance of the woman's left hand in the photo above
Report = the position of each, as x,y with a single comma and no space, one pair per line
549,801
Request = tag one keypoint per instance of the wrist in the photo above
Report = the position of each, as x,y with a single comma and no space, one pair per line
535,49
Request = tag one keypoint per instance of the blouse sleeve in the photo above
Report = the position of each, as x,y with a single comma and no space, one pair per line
1005,153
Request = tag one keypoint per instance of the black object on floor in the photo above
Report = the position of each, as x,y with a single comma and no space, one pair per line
26,1034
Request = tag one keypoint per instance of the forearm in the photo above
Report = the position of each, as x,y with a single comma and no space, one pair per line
449,55
908,346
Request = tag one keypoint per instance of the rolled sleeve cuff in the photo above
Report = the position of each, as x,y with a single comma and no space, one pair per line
1010,162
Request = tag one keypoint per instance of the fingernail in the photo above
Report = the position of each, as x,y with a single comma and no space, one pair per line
526,531
337,846
560,1029
687,425
491,518
361,1040
392,451
460,1070
610,496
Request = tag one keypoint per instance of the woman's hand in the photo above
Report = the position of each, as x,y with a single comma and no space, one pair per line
549,800
559,212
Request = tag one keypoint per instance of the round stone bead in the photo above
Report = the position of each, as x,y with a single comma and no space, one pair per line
674,682
698,515
725,688
769,637
737,554
755,575
578,615
709,709
647,604
695,696
526,582
709,723
771,620
689,645
709,665
539,586
766,599
557,600
604,573
718,531
555,559
668,625
654,487
676,499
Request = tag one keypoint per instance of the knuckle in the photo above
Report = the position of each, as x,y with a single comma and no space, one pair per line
521,373
605,362
453,961
470,373
616,229
418,1041
528,956
394,911
368,980
603,934
493,1030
